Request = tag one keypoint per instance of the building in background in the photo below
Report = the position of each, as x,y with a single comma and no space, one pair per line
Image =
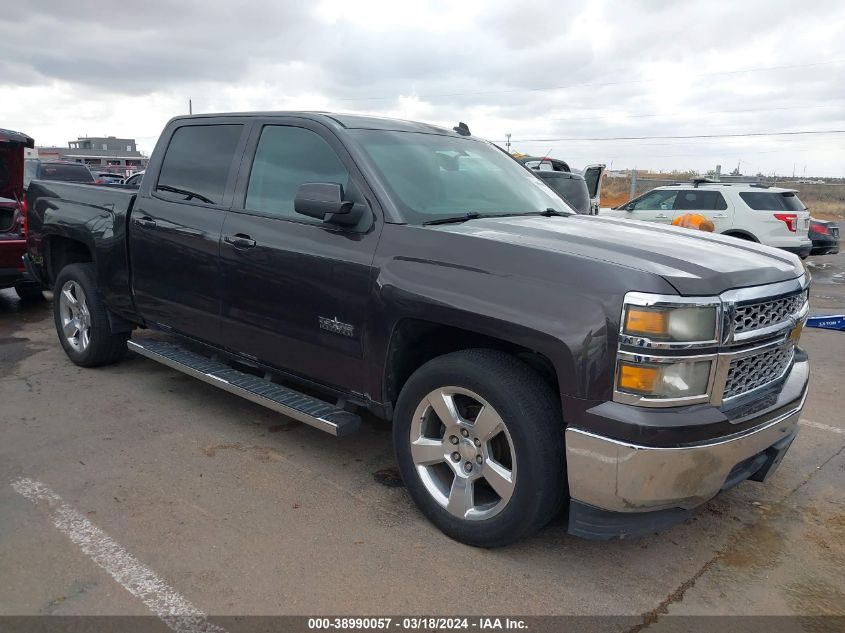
102,153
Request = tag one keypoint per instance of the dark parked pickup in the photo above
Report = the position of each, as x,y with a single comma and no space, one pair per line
529,358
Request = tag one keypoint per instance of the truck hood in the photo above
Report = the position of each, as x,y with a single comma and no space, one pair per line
693,262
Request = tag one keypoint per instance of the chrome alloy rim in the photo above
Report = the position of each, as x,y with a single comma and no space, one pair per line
75,316
463,453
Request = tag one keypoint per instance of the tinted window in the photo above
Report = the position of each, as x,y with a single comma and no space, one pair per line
197,162
65,173
286,158
660,200
592,178
697,200
573,190
772,201
434,176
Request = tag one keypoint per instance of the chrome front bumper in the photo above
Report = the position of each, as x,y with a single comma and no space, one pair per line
624,477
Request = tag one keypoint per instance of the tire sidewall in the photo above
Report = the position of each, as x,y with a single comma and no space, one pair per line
532,479
84,276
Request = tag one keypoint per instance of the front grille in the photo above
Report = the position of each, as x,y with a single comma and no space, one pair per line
752,372
759,315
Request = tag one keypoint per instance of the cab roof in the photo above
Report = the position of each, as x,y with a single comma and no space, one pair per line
342,121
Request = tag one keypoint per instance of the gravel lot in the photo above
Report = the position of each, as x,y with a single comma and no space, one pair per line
241,511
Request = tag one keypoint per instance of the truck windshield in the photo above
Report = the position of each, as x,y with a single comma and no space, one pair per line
434,176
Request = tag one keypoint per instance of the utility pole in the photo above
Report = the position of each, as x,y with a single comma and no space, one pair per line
190,107
508,143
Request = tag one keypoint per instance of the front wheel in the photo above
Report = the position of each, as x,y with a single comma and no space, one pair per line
82,322
478,437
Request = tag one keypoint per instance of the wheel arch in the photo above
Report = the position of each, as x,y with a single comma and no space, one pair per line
60,250
741,234
414,342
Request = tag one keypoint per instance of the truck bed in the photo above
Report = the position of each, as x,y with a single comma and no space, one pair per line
93,215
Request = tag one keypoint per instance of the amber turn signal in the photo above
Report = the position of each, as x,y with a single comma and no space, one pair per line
637,378
645,321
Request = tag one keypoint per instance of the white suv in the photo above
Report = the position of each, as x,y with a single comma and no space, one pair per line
769,215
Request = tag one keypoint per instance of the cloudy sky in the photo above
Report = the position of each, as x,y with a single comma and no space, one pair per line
551,73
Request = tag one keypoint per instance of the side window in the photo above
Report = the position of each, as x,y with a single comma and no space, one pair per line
695,200
287,157
196,163
656,201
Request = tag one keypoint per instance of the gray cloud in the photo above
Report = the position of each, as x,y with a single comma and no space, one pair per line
493,69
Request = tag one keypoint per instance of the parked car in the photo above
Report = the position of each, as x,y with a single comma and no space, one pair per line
107,178
825,237
134,180
13,217
552,170
58,170
756,213
528,357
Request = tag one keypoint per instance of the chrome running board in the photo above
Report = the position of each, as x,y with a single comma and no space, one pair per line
296,405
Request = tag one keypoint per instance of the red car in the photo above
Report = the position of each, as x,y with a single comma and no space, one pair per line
13,216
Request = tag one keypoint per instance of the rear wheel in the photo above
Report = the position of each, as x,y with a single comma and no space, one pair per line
82,322
479,440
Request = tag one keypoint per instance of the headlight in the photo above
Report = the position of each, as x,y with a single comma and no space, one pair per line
677,379
680,324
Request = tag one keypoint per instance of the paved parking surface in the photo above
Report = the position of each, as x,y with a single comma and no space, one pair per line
110,474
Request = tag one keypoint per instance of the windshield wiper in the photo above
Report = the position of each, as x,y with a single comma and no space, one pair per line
184,192
469,215
472,215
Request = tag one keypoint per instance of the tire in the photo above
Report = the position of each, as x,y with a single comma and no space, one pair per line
83,326
524,459
29,292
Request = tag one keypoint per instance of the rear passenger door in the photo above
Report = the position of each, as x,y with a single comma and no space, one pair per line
296,289
655,206
711,204
174,228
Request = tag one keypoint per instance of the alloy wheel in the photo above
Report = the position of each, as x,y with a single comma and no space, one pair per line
463,453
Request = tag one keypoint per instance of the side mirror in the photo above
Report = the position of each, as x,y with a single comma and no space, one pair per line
324,201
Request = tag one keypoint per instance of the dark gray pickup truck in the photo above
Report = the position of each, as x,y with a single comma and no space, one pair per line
530,359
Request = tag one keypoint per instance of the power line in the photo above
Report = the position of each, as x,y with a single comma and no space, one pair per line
593,85
578,118
691,136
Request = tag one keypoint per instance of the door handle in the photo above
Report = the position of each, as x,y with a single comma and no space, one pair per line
662,216
240,240
146,221
720,216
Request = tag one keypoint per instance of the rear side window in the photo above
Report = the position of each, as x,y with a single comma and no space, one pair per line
697,200
772,201
286,158
196,164
573,190
65,173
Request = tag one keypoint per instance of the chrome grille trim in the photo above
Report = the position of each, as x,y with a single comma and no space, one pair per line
756,371
756,316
